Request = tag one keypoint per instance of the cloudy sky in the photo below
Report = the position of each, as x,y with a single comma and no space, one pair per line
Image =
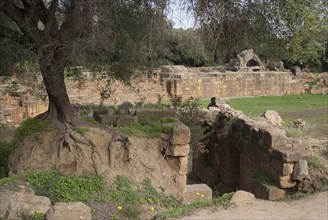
179,16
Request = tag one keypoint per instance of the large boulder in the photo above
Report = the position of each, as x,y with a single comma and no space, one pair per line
272,117
13,205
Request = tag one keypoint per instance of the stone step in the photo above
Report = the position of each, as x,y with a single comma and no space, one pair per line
197,192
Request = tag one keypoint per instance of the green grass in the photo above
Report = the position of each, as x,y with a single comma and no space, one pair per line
224,201
255,106
146,129
5,149
314,163
61,188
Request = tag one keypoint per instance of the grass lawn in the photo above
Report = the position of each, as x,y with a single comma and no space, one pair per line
288,106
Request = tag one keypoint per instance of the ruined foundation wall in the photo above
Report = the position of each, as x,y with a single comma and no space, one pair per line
232,84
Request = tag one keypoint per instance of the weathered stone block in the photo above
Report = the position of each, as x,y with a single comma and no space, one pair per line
106,119
264,191
123,120
71,210
178,150
286,154
241,196
180,135
281,167
286,182
301,170
197,192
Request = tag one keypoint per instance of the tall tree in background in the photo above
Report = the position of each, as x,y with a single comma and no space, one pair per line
293,30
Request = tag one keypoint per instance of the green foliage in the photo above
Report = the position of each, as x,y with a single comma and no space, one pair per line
293,196
7,180
168,120
185,47
81,130
255,106
146,129
5,149
190,208
91,120
132,212
153,197
35,216
60,188
294,133
123,192
127,193
31,128
262,177
314,163
190,114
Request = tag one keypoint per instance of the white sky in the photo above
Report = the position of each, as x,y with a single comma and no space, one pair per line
180,17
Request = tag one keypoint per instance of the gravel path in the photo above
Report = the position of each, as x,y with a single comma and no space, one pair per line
313,207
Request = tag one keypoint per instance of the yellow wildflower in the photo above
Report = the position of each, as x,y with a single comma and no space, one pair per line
119,207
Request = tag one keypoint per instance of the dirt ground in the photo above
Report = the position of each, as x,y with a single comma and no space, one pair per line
313,207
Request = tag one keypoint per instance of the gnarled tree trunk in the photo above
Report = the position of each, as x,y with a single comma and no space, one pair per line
60,110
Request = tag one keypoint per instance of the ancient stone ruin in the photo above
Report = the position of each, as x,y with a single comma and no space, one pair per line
247,60
251,155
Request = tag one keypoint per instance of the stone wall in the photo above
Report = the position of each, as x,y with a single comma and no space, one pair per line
241,148
231,84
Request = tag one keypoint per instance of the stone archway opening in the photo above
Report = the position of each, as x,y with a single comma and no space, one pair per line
252,63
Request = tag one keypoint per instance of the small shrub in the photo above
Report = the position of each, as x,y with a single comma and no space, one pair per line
314,163
31,128
262,177
294,133
91,120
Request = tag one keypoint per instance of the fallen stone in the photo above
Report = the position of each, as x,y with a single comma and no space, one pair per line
268,192
286,154
242,196
299,123
24,202
301,170
197,192
71,211
123,120
286,182
272,117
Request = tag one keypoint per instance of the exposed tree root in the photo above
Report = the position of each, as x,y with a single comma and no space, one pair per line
72,138
126,145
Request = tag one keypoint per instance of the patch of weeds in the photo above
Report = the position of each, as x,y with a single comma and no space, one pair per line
90,120
5,149
8,180
31,128
325,182
294,133
262,144
168,120
190,208
132,212
262,177
293,196
81,130
123,192
60,188
146,129
314,163
35,216
113,217
153,197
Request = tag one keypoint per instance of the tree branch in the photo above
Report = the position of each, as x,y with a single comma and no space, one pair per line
50,23
14,35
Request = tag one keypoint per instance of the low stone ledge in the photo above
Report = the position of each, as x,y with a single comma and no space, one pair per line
197,192
268,192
